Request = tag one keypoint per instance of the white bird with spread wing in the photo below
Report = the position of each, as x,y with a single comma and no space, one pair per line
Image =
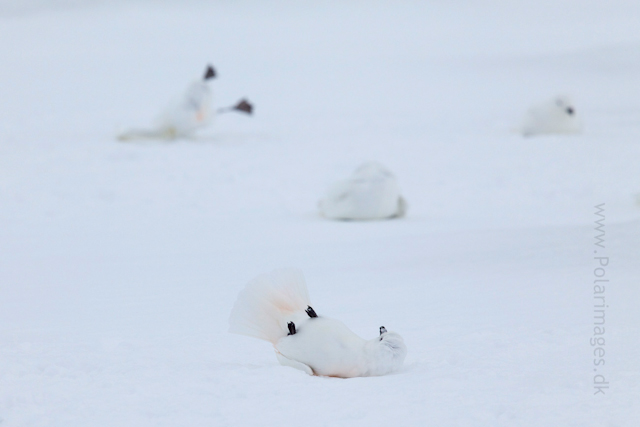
191,111
275,307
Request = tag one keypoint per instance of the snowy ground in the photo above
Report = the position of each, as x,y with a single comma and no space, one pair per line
120,262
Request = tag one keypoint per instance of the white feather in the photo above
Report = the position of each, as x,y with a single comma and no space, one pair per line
372,192
267,303
185,114
190,112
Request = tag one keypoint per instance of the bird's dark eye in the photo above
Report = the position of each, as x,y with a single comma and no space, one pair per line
569,111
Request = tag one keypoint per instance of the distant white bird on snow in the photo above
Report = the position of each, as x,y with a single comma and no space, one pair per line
275,307
372,192
556,116
187,113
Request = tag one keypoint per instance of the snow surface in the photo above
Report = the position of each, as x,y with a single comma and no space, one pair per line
120,262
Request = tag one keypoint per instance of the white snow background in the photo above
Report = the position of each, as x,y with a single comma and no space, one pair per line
120,262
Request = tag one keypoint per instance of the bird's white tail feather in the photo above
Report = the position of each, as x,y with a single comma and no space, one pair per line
263,306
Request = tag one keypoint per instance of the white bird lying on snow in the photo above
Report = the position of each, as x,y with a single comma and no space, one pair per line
372,192
275,307
556,116
186,114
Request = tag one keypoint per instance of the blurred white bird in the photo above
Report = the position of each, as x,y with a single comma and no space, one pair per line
275,307
191,111
372,192
187,113
556,116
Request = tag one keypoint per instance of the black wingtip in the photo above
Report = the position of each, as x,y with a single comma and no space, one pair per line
209,73
292,328
311,312
245,106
